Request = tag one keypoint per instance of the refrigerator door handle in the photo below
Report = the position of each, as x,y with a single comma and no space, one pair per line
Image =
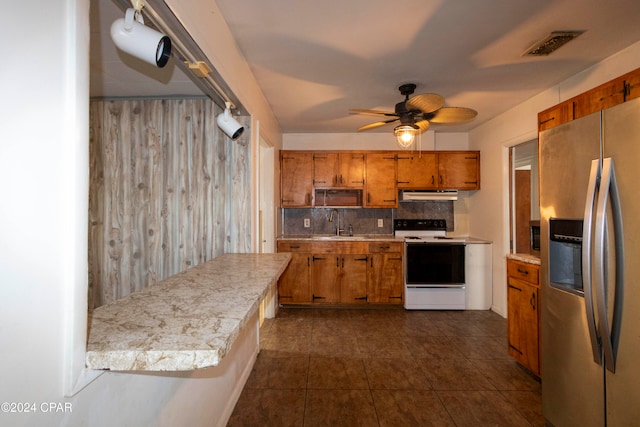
594,178
610,334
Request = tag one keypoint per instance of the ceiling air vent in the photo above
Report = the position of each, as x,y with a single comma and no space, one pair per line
551,43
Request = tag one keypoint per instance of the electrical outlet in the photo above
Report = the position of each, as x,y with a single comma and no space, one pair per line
380,223
307,223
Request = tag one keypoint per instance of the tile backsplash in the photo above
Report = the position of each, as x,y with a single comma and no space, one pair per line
363,221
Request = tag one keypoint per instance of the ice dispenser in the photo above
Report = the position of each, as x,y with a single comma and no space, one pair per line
565,255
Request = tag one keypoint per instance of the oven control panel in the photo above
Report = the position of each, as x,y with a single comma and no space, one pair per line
419,224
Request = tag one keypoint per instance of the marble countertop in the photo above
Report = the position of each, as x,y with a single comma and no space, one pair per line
367,238
528,258
188,321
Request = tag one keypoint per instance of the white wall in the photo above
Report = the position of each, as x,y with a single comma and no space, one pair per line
489,207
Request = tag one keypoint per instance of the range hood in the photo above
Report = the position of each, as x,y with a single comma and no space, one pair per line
427,195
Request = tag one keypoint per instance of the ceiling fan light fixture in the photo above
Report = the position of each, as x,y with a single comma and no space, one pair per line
405,135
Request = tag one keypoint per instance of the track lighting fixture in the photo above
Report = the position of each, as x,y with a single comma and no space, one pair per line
132,36
228,124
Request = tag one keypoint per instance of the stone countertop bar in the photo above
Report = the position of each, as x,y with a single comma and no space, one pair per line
528,258
188,321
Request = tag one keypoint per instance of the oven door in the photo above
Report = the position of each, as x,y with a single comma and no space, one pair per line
434,265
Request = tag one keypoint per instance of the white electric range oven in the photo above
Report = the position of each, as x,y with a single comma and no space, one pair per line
434,265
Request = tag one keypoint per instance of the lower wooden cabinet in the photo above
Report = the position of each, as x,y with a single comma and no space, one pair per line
354,272
523,313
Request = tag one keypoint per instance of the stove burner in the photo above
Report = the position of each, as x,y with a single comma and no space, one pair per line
412,237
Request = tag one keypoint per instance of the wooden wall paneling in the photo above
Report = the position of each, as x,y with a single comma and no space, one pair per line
153,254
160,197
96,205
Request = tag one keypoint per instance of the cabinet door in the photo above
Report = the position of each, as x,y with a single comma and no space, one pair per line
555,116
385,278
381,180
459,171
296,179
325,166
523,323
351,170
353,279
325,269
294,286
418,171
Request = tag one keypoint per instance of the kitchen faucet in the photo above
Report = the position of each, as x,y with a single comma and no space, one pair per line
338,229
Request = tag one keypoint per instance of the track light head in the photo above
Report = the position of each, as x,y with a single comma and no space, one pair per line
131,35
228,124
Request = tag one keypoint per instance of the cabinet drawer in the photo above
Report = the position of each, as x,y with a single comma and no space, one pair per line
385,247
294,247
523,271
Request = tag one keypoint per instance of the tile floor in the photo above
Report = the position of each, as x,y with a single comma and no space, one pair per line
386,367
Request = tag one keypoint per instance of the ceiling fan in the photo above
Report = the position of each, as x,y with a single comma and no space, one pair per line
416,113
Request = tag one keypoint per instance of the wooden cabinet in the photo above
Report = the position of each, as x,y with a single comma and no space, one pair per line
417,171
294,286
607,95
555,116
353,272
599,98
523,313
384,282
447,170
380,188
296,179
371,179
459,170
345,170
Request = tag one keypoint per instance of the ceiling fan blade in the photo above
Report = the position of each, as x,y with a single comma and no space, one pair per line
376,124
425,102
423,125
453,115
376,112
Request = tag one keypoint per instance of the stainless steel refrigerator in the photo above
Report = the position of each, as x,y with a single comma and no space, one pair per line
590,273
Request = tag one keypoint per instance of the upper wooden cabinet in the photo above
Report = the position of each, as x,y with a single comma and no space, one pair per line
417,170
344,170
447,170
555,115
607,95
459,170
296,179
380,188
371,178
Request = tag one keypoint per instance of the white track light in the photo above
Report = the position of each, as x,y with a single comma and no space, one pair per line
132,36
228,124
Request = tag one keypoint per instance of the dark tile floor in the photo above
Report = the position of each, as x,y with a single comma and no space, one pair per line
386,367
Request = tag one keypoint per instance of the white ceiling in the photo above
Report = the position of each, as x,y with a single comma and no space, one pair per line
316,60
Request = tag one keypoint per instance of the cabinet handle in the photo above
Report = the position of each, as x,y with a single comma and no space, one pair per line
403,182
368,198
315,297
315,258
360,259
295,246
384,247
471,158
513,287
440,179
546,121
532,301
360,298
515,349
433,179
395,297
390,200
523,271
308,198
340,178
471,182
